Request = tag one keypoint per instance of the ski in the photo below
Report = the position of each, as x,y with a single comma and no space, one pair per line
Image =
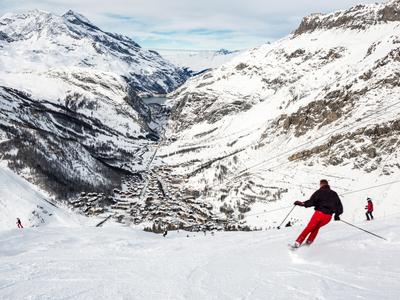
293,247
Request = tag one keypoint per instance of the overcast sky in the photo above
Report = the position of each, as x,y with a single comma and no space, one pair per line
191,24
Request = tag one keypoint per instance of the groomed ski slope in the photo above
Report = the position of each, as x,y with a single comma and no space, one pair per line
122,263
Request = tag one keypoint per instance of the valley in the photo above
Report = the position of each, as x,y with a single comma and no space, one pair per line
124,135
135,173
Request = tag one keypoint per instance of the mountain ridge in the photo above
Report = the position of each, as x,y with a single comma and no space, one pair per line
355,18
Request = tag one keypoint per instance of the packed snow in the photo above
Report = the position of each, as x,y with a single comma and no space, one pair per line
121,263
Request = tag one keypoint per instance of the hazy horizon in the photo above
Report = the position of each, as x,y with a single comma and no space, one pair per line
183,25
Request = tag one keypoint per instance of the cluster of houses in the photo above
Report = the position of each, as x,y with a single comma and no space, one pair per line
155,199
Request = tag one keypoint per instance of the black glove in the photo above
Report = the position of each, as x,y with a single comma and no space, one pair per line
299,203
337,218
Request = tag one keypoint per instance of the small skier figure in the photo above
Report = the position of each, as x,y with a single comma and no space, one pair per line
165,233
326,203
288,224
370,208
19,224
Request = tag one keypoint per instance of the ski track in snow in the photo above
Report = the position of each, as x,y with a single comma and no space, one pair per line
122,263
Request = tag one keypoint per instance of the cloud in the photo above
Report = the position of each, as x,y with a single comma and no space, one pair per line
206,24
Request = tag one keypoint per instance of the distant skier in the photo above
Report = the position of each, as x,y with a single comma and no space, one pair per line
370,208
326,203
165,233
19,224
288,224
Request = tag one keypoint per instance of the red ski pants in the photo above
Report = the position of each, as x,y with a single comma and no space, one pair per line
318,220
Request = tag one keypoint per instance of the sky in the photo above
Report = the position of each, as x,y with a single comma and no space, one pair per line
191,24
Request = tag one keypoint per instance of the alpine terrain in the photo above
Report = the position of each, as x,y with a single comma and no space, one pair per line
257,133
103,143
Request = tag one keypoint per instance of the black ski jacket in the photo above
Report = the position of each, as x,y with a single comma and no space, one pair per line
325,200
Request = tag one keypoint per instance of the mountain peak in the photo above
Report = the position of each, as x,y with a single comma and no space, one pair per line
358,17
77,18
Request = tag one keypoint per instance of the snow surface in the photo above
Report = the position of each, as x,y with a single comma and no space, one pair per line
121,263
20,199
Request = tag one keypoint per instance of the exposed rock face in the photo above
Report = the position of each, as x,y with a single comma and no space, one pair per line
366,147
357,18
318,113
210,114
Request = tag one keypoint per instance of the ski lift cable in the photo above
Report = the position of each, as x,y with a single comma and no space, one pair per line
366,119
369,188
327,135
308,172
288,162
342,194
286,152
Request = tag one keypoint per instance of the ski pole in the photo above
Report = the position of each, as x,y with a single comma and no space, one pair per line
378,236
279,227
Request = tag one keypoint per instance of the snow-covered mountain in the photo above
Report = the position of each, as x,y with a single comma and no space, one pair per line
70,114
58,46
259,132
198,60
243,141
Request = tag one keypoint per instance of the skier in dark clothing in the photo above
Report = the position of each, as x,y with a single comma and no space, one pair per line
370,209
19,224
326,203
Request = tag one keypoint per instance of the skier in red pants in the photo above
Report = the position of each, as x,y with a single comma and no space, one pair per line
326,203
